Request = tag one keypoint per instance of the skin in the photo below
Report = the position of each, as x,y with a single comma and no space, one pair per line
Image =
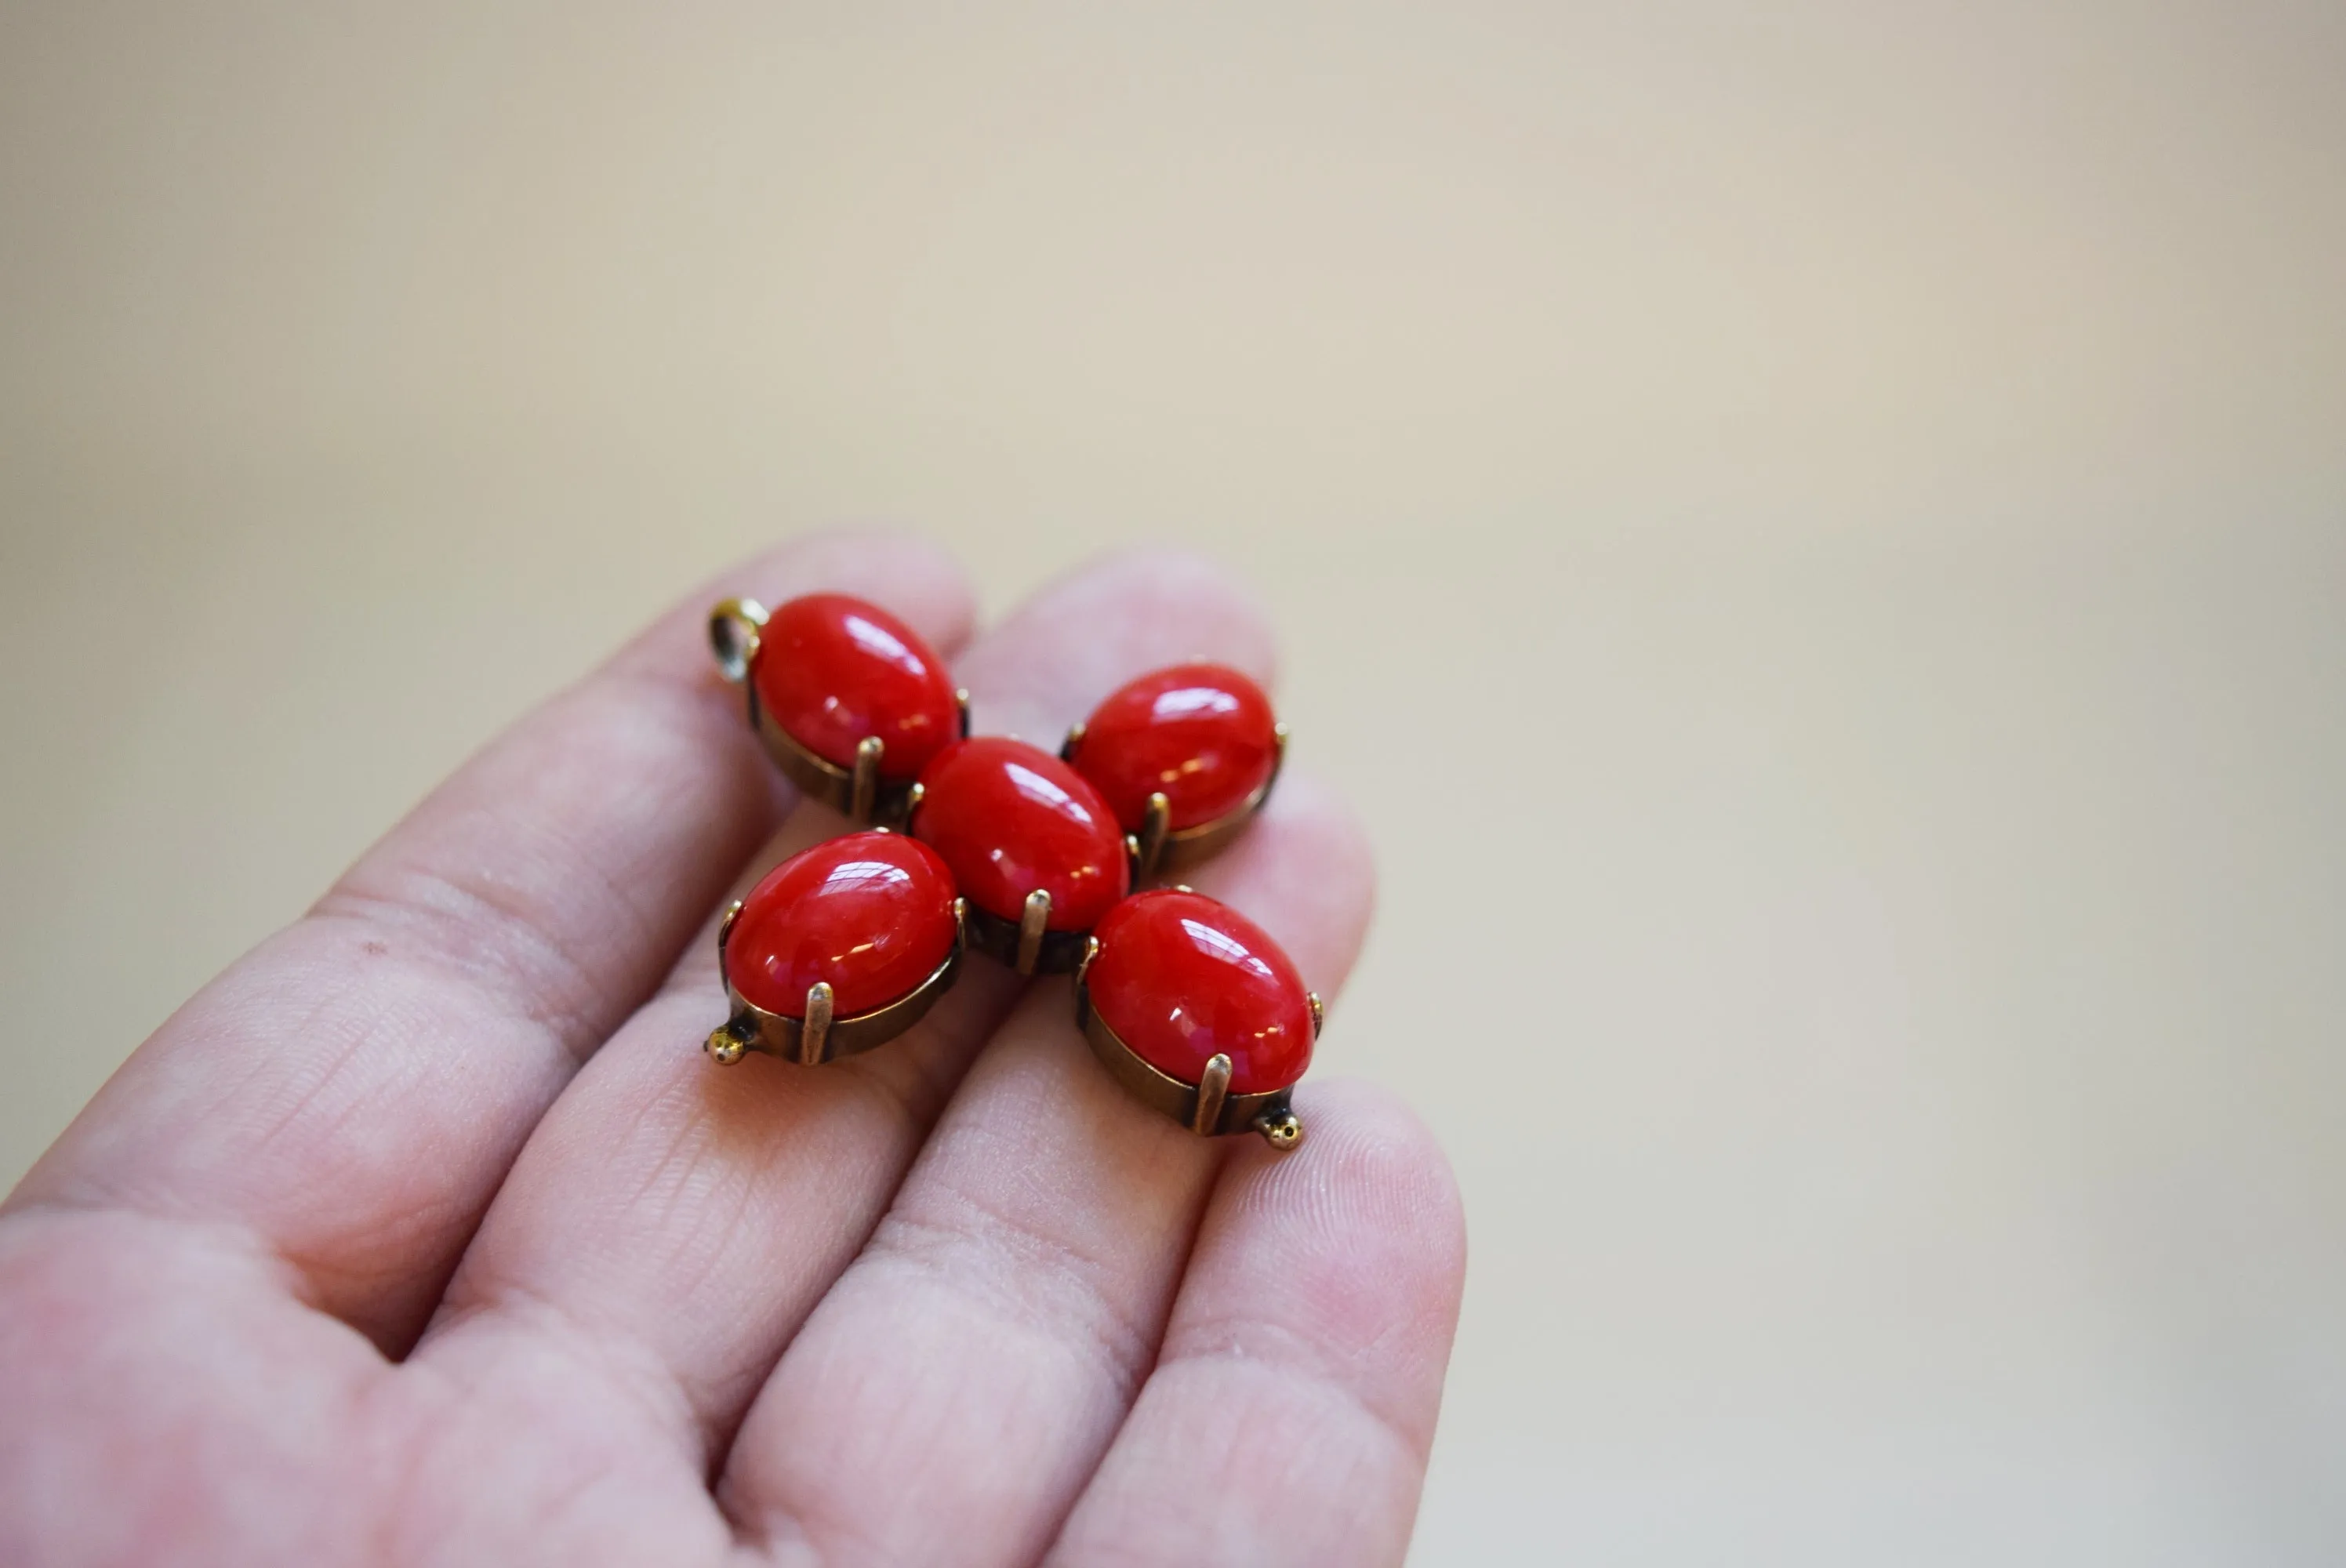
426,1234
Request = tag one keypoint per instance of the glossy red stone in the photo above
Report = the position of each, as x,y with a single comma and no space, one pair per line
1182,979
832,670
1201,733
1009,818
872,913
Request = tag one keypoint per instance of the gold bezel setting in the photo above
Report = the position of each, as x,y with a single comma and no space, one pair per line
1156,847
1026,944
820,1037
858,792
1206,1108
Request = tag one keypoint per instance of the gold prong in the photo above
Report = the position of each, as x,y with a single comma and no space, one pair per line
1183,888
817,1027
1074,739
733,627
1212,1089
724,1046
1083,982
1319,1012
1155,829
961,701
863,789
1031,922
1277,763
912,798
725,935
1281,1129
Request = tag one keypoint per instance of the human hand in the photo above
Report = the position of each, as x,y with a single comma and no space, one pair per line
427,1234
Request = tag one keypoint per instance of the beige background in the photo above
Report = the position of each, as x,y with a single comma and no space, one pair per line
1816,533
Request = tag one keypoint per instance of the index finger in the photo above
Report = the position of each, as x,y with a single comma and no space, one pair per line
353,1090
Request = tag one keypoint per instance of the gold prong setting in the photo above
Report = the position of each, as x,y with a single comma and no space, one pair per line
864,782
1206,1107
856,790
1032,922
1156,830
822,1035
1213,1089
814,1029
858,793
1024,940
1160,847
1028,944
970,807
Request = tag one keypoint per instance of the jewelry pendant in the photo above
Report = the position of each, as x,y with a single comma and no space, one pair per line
849,701
1196,1010
1185,757
1032,848
837,949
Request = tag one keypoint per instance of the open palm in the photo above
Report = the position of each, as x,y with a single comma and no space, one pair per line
426,1233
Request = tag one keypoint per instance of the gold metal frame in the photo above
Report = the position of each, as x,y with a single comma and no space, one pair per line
1206,1108
1156,848
1028,944
820,1037
858,793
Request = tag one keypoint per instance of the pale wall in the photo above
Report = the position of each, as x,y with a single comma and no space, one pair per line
1816,533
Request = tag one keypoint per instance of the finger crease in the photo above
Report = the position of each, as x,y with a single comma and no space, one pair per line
487,938
1026,1275
1293,1359
622,1361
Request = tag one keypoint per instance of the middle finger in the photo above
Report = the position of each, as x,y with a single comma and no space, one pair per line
946,1401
